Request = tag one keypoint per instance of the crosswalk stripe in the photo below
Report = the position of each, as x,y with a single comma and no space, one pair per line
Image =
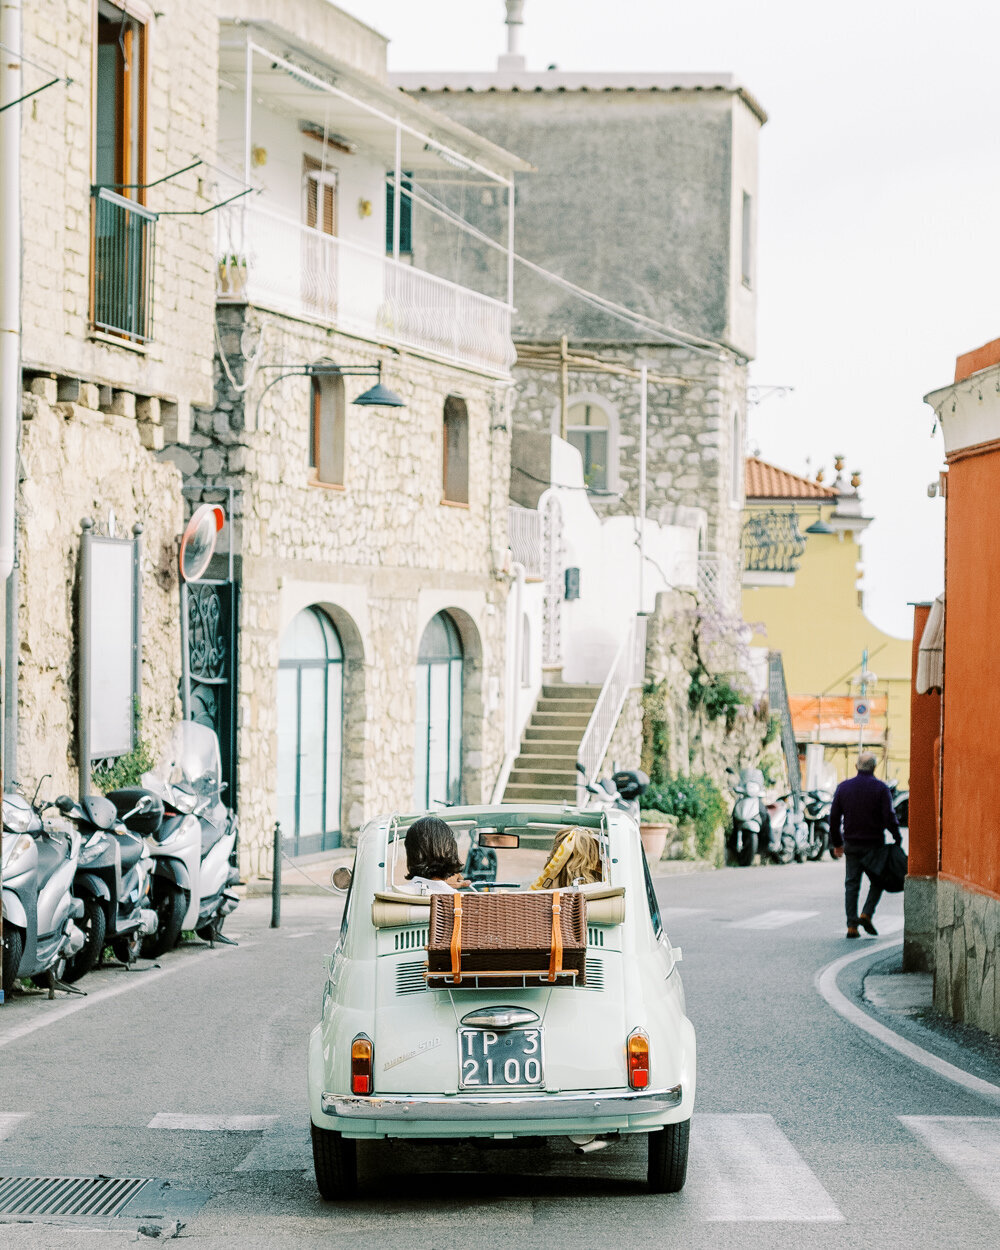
773,919
9,1120
968,1144
888,924
744,1168
211,1123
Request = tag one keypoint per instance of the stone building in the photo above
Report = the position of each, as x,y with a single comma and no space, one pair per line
368,531
644,192
117,343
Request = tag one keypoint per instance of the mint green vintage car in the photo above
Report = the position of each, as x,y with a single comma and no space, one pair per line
401,1053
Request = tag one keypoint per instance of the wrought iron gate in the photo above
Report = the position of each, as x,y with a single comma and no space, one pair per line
209,616
778,698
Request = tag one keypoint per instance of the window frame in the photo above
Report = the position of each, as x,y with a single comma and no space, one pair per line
339,417
746,242
451,414
143,17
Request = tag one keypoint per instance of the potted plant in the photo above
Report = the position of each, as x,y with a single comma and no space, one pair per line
654,829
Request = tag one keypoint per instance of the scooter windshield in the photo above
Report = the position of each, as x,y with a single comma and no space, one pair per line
190,769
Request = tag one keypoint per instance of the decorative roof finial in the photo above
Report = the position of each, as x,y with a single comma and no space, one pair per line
513,60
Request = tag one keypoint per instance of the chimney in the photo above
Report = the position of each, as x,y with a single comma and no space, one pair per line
512,62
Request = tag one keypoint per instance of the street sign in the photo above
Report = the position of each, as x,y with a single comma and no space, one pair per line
862,711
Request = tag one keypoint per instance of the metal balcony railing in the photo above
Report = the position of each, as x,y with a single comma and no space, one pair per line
124,242
628,669
772,542
278,263
525,537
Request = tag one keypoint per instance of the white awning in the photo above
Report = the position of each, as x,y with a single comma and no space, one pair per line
930,656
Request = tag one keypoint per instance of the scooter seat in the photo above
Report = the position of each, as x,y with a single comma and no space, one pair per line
131,850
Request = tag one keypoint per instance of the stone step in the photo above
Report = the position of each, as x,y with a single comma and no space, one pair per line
542,777
571,692
555,747
521,792
576,720
573,706
554,733
546,763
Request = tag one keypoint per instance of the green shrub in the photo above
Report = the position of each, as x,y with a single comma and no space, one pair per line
653,816
127,769
697,801
716,695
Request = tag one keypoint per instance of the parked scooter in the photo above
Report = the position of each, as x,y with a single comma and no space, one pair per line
817,805
900,803
195,847
112,880
620,792
789,831
750,823
39,911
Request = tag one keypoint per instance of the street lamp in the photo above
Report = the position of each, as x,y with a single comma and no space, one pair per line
377,396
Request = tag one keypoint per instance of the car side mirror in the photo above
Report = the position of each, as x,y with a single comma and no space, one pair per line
341,879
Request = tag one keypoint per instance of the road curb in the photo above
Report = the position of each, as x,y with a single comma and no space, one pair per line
825,981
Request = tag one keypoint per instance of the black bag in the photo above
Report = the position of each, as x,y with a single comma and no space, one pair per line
887,866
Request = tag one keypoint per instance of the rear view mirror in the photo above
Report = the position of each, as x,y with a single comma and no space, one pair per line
500,841
340,879
65,803
580,769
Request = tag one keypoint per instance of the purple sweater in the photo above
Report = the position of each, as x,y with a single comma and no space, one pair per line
863,804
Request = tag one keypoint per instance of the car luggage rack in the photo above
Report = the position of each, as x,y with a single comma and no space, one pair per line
510,979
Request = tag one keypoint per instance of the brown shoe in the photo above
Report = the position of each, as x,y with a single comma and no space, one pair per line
866,924
852,931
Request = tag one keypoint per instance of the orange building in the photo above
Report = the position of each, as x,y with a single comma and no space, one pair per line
964,844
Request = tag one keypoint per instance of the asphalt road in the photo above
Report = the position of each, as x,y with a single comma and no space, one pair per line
807,1133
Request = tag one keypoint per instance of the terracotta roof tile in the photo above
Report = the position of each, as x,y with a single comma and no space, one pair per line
767,481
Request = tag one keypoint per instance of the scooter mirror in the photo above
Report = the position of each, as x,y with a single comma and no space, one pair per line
580,769
340,879
65,803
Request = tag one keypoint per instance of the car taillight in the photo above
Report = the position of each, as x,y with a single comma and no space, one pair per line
362,1055
637,1056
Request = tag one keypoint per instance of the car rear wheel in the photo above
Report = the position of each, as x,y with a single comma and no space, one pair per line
335,1159
666,1169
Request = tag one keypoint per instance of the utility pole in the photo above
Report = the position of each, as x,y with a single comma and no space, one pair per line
643,422
10,322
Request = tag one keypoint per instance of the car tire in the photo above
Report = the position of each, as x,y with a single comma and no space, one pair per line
745,854
667,1158
87,958
171,906
13,949
335,1159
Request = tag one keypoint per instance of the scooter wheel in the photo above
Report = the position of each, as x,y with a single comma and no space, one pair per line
744,856
94,926
170,908
13,949
126,949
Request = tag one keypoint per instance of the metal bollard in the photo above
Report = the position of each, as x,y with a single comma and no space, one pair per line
276,879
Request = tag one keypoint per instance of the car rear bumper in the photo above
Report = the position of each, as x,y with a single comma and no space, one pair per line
444,1109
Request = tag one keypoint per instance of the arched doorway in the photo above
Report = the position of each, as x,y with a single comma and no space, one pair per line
437,751
310,733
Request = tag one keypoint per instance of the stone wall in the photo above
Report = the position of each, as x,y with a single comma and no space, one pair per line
381,555
57,140
77,461
966,984
625,747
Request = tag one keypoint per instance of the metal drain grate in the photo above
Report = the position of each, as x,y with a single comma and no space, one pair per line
67,1195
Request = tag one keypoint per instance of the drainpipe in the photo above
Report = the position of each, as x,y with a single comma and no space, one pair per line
10,274
513,744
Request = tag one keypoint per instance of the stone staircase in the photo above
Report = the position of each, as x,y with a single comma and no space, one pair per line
545,770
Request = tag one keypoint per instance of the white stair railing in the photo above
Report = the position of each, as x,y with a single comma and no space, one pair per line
627,670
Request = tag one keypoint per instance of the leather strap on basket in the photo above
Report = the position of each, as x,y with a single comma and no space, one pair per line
456,942
555,957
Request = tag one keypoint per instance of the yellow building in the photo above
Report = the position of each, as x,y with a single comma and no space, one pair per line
802,594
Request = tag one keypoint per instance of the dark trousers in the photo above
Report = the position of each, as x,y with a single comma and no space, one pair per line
852,887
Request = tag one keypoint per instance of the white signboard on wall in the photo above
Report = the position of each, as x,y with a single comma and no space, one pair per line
109,633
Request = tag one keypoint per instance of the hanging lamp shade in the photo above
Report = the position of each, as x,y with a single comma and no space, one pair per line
380,396
819,526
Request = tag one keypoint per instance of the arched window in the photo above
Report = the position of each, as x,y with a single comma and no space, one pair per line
327,429
525,650
737,473
437,752
587,429
310,724
456,450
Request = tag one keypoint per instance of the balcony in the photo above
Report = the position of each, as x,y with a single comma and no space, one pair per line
278,263
772,545
124,239
525,534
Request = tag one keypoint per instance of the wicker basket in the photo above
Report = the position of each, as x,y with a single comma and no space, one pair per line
507,939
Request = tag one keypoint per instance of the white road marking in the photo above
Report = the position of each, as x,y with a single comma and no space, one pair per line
744,1168
130,981
970,1145
773,919
292,936
211,1123
9,1120
826,983
888,924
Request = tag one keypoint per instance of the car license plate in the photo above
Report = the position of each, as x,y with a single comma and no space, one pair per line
512,1058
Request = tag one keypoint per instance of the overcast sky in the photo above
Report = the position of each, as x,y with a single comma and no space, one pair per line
879,204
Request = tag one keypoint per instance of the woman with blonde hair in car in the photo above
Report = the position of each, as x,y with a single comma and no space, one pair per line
576,856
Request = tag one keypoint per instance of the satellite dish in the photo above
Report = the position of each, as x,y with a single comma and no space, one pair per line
198,543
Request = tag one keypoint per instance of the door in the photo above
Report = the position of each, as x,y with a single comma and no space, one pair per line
319,247
437,754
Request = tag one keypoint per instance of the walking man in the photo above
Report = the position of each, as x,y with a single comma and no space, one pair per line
863,805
